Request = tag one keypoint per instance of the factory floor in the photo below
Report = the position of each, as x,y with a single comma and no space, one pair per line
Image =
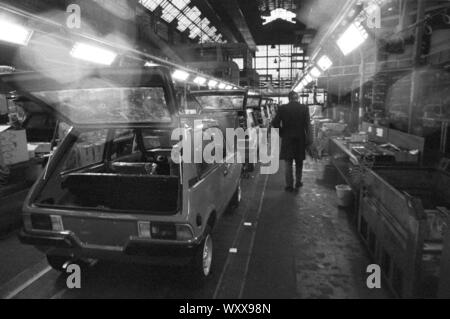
275,245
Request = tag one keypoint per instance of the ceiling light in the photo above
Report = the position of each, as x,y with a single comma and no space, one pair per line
228,87
222,86
200,80
315,72
14,33
180,75
92,53
298,88
325,63
352,38
308,79
150,64
212,83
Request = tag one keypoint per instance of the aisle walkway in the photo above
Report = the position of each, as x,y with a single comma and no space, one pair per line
305,246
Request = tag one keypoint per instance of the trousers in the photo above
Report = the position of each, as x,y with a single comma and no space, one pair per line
290,172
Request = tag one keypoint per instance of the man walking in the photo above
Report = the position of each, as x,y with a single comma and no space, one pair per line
294,122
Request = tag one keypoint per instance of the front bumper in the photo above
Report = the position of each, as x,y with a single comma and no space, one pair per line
67,244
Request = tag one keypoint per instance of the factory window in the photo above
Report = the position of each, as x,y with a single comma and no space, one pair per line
260,63
239,62
274,64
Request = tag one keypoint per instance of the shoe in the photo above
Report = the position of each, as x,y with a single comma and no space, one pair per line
298,185
289,189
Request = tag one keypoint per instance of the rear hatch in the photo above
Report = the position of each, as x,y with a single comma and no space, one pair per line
102,97
117,157
216,101
221,101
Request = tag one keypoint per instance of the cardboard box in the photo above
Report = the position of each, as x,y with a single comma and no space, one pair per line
13,146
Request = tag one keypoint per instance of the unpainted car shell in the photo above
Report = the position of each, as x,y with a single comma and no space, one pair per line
204,199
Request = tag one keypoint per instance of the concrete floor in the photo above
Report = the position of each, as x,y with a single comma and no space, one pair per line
286,246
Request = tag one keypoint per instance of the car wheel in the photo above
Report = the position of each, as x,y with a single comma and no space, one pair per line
203,259
57,262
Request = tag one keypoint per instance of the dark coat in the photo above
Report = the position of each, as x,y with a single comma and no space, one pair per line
294,122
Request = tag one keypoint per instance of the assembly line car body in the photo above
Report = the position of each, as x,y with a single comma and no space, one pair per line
220,102
112,189
254,110
267,109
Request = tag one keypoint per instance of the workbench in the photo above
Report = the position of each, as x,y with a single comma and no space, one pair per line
350,165
401,214
344,161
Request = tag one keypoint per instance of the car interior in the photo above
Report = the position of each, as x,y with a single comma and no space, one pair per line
134,171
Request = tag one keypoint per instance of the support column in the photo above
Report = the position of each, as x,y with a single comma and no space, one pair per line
417,52
362,73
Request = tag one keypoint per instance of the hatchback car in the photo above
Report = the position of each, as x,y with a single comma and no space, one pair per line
220,102
113,189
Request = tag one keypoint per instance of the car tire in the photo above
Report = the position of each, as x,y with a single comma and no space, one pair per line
202,262
57,262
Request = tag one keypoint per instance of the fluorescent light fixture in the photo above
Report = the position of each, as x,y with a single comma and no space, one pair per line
200,80
298,88
315,72
180,75
212,83
228,87
150,64
352,38
308,79
222,86
325,63
14,33
92,53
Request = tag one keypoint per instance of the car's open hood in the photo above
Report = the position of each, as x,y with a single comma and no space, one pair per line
98,97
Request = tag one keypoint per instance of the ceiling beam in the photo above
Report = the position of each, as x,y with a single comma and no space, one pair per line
235,13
